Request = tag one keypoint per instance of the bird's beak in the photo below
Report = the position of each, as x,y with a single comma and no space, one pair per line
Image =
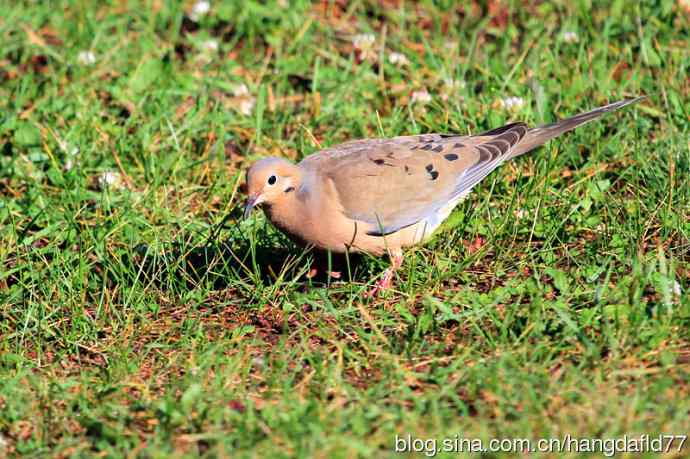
252,201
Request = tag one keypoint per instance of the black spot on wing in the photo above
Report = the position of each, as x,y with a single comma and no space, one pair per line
407,169
432,173
380,162
450,156
459,145
428,147
438,149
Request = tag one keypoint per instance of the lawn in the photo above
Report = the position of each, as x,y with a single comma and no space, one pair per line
141,316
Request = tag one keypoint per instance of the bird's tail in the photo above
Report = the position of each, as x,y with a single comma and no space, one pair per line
542,134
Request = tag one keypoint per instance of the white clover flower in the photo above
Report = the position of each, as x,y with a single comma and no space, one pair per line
71,158
453,84
512,103
450,88
363,41
570,37
247,105
240,90
422,96
521,213
86,58
676,288
398,59
246,101
259,362
199,10
109,179
210,45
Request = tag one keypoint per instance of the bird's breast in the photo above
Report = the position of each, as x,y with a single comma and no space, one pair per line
323,226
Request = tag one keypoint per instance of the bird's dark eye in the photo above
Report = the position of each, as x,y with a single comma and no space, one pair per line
272,180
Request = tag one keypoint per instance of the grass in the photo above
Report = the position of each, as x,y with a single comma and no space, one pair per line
139,315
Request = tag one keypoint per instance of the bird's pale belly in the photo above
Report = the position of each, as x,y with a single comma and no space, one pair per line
333,231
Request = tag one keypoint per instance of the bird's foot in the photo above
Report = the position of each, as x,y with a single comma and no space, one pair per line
313,272
383,284
386,281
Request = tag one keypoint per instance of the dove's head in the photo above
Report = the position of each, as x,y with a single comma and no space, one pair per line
270,181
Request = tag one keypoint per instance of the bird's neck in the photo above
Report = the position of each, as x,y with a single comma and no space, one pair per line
292,215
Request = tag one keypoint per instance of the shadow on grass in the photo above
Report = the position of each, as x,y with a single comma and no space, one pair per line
235,261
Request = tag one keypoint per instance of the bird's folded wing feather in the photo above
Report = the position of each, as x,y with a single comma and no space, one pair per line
394,183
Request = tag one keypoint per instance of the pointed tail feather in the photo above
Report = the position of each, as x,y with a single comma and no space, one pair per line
542,134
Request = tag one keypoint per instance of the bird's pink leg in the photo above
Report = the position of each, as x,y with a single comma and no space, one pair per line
319,266
386,280
314,271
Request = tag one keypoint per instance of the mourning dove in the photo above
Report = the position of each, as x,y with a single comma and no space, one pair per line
380,195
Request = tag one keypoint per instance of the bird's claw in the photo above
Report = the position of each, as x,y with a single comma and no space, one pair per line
383,284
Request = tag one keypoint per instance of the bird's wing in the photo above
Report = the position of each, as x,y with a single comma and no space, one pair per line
394,183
